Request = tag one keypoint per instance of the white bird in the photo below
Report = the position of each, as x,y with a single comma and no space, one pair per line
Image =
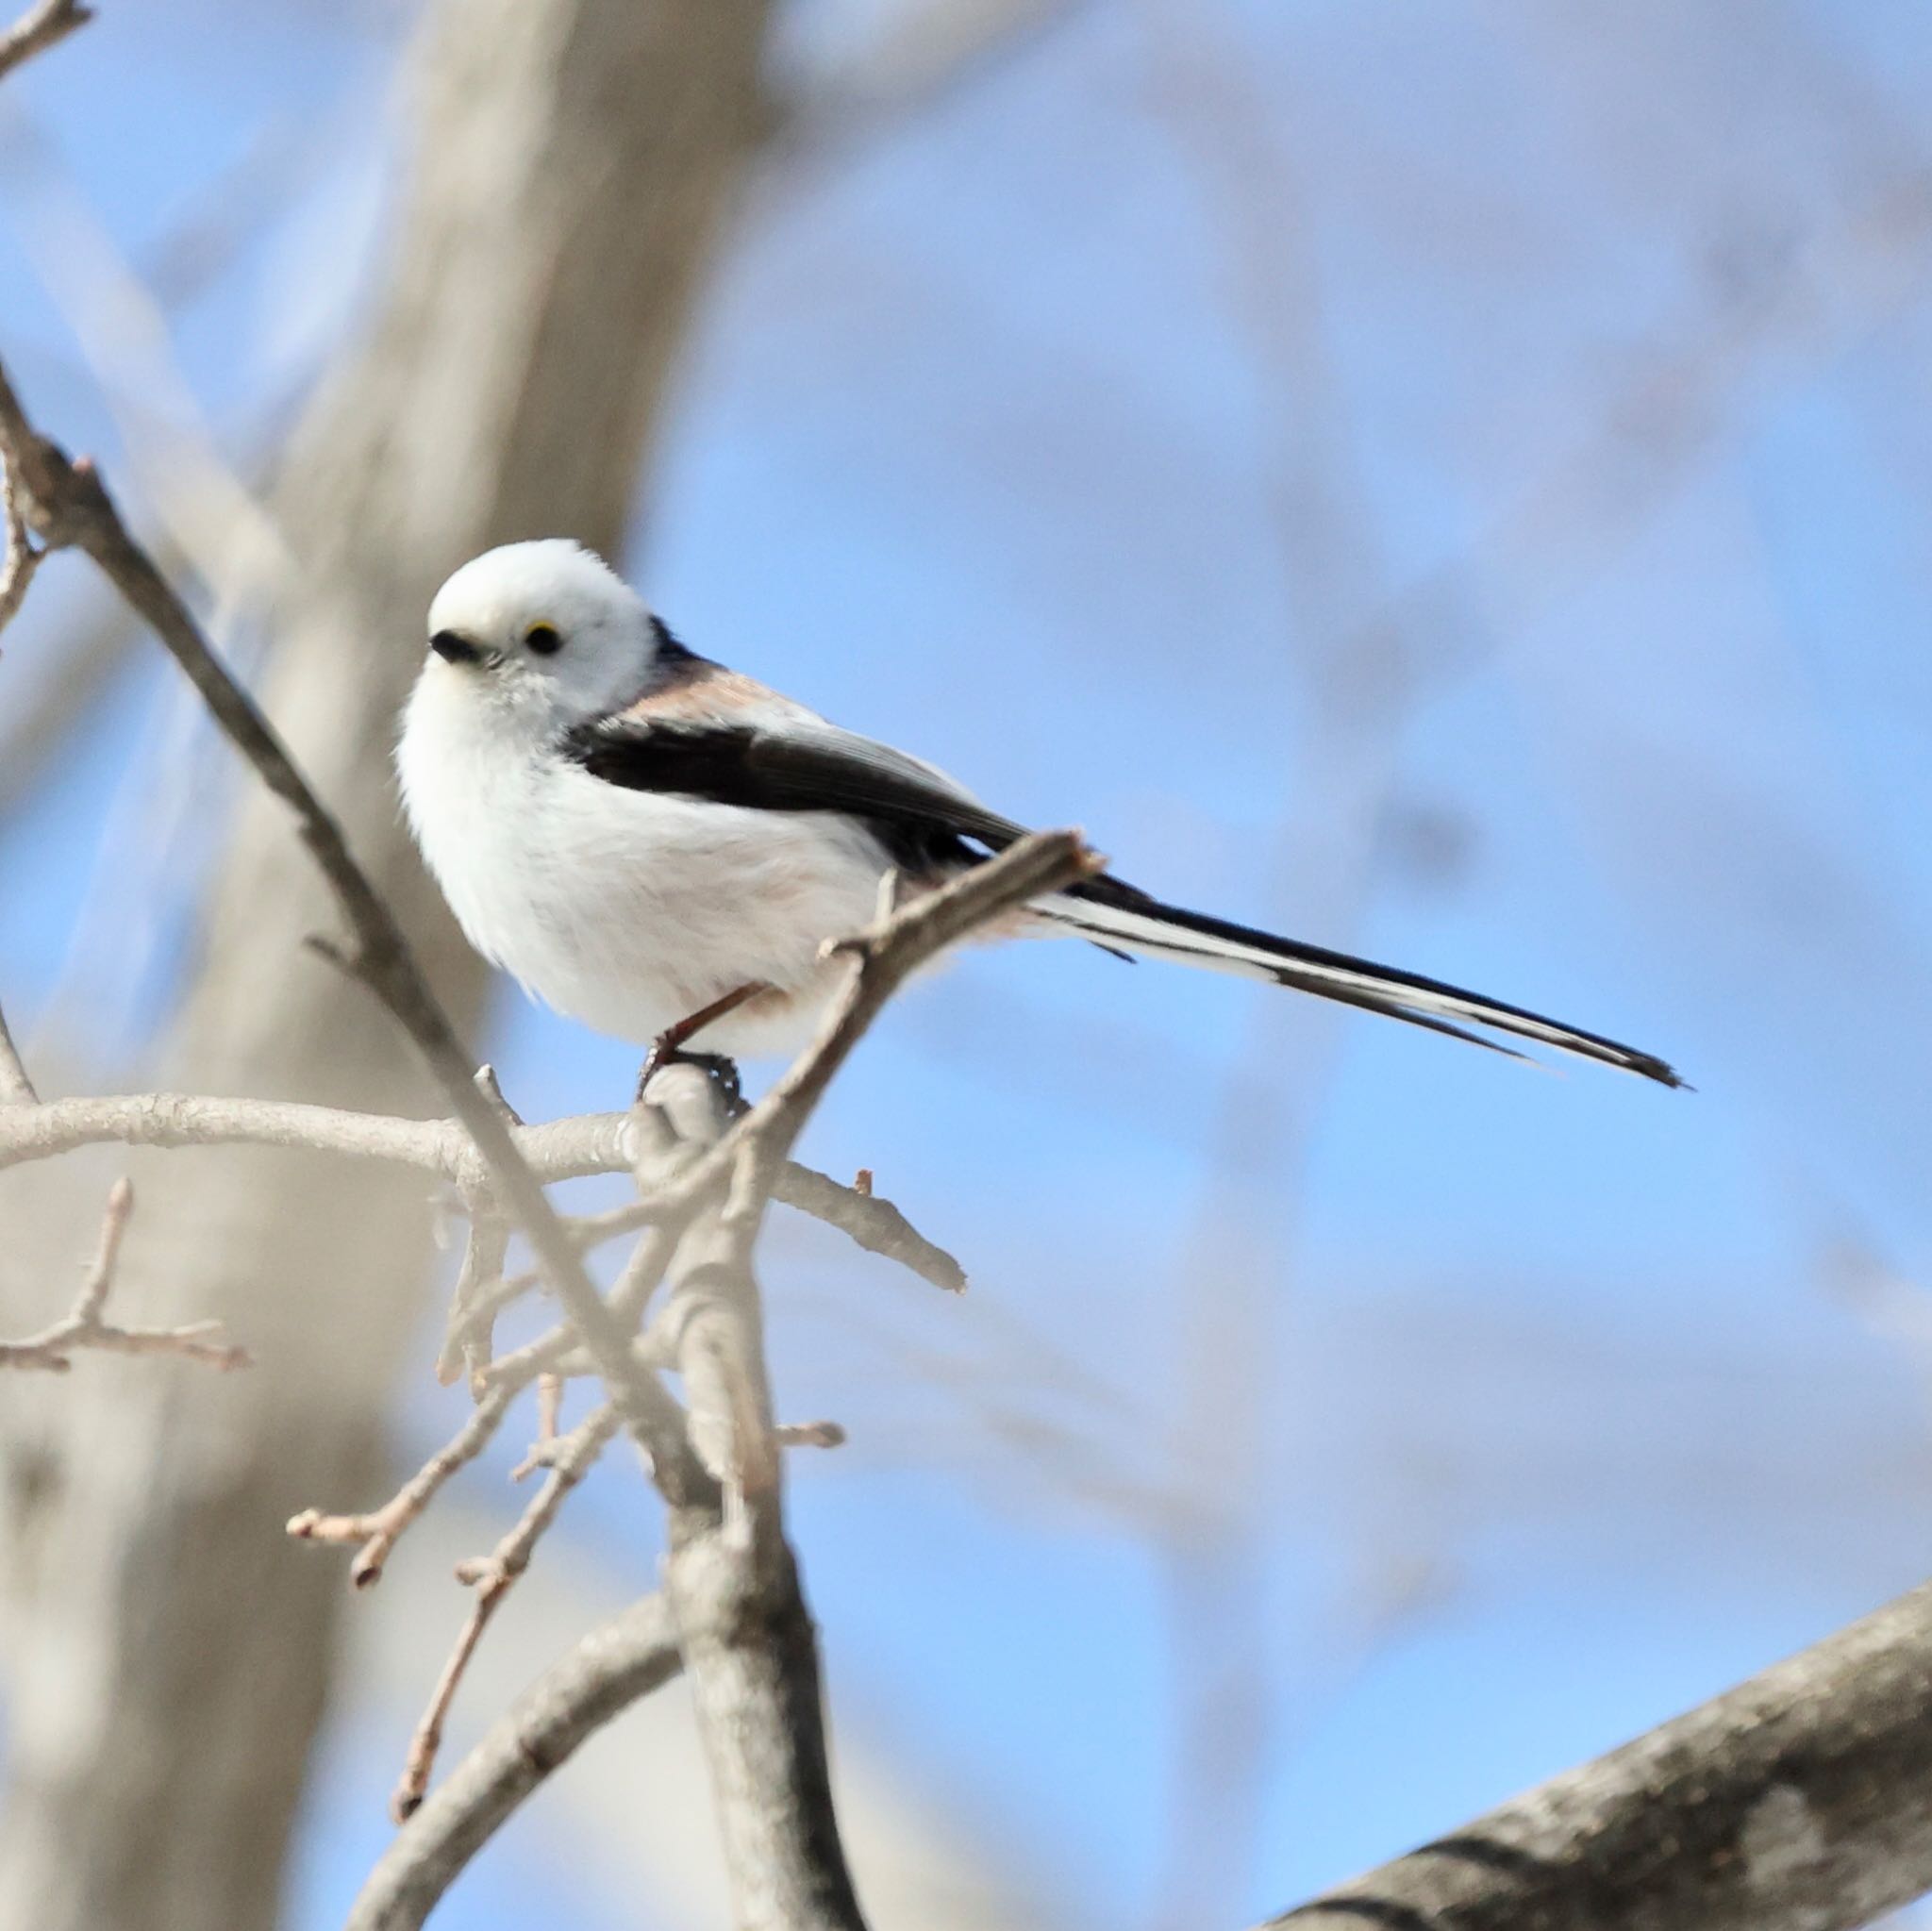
658,846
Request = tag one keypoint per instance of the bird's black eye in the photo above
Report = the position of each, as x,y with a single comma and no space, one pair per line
543,639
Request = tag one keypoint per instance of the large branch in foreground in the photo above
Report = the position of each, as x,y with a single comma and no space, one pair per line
1799,1800
749,1648
618,1662
749,1644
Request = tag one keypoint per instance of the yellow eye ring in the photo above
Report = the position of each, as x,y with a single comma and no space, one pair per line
543,638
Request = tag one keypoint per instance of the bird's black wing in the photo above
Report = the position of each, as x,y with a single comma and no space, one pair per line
800,765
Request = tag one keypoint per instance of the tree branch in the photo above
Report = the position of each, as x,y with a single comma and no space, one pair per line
747,1639
493,1576
1799,1800
84,1327
556,1150
377,1532
19,556
628,1657
881,961
38,29
749,1643
869,1220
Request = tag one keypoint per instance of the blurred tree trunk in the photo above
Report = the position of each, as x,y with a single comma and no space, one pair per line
170,1653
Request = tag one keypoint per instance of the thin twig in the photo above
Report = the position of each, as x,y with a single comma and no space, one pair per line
881,960
478,1298
559,1351
38,28
19,557
869,1220
377,1532
469,1334
492,1576
16,1089
809,1434
628,1657
543,1452
84,1327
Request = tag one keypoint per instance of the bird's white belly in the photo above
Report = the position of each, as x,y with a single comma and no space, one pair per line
630,910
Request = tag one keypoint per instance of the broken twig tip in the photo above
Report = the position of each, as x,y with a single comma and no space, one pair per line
810,1434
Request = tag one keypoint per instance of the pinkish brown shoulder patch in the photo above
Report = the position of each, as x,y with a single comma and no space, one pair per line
696,689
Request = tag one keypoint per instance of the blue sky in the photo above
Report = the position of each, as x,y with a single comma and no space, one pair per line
1605,339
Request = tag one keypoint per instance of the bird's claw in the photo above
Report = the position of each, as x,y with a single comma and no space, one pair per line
716,1066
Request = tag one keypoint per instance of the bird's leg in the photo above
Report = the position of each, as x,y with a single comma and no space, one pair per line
667,1049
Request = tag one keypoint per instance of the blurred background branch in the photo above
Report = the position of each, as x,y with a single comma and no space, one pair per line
42,26
1795,1802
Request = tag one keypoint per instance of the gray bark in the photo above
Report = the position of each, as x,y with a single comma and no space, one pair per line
1799,1800
169,1650
731,1582
750,1651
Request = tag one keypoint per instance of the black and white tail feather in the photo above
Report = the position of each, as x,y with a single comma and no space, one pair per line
1113,914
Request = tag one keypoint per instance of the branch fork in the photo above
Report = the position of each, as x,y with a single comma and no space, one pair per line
375,1535
85,1327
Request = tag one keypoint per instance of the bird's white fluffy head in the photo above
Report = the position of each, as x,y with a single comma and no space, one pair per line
545,630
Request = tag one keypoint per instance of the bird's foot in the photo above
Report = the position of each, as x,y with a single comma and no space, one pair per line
667,1049
720,1068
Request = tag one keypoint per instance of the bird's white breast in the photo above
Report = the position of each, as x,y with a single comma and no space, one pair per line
625,909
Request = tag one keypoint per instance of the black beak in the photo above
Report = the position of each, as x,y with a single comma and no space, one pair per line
453,648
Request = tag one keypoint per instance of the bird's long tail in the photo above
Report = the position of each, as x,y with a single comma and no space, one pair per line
1114,914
